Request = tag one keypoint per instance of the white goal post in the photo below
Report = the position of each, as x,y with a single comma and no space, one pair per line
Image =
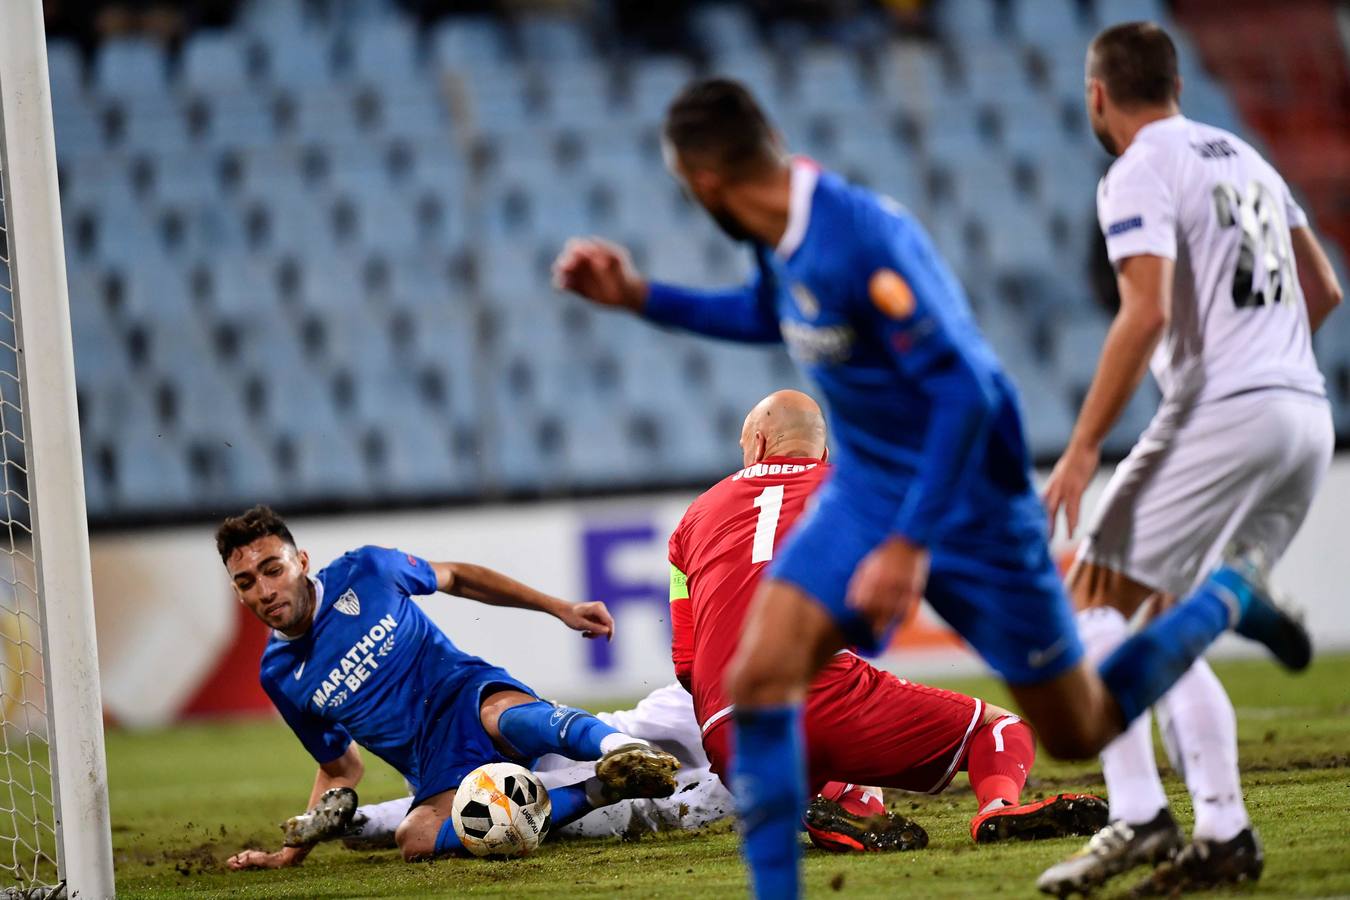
55,838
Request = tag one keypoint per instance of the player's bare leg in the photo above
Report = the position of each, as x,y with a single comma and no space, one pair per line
788,636
419,835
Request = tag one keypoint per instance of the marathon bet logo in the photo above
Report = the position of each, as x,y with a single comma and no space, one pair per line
357,664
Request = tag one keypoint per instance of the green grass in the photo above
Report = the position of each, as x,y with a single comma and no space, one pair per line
184,799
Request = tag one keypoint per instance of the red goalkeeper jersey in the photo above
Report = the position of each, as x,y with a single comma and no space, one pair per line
717,554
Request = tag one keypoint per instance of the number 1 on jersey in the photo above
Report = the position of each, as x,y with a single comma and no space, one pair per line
770,504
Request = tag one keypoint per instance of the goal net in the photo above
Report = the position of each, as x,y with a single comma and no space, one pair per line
54,830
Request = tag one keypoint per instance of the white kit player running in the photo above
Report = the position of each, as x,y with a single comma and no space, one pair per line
1208,246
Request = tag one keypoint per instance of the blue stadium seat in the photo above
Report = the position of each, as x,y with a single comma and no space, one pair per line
1131,11
725,29
300,59
151,474
329,464
969,21
130,66
65,70
215,61
385,52
655,81
466,42
553,38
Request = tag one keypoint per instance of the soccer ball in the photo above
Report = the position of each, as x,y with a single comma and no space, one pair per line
501,809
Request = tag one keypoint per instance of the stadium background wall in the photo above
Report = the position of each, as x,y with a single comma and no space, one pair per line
180,646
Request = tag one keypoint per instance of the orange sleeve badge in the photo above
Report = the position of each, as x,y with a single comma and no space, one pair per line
891,294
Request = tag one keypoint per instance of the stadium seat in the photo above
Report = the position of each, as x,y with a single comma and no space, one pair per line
150,474
299,59
553,39
466,42
349,246
384,51
215,62
130,66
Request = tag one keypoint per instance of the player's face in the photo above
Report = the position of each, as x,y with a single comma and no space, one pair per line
1096,111
270,578
705,188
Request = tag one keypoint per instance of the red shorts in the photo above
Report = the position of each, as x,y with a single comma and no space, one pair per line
866,726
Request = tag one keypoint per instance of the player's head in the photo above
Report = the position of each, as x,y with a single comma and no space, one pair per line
269,573
785,423
716,138
1131,68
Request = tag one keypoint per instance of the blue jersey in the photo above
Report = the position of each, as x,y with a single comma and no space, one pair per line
372,667
920,409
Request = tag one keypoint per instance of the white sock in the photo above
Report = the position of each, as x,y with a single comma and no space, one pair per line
1203,727
618,739
382,819
1133,787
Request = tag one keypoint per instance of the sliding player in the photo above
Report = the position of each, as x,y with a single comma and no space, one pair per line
931,491
664,718
863,726
353,660
1208,246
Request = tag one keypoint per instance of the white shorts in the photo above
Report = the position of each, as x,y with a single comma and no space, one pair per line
1242,468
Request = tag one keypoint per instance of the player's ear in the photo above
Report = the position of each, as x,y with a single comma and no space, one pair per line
303,557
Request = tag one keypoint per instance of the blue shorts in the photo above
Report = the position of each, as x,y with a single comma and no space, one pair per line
452,741
991,579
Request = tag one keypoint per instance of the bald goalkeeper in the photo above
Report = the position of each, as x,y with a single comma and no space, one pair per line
863,726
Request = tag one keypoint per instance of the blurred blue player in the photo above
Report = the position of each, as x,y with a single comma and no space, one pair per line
932,494
353,660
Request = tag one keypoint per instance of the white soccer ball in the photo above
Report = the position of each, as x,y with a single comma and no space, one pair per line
501,809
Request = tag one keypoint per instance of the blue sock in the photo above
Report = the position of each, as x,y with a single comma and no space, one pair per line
446,839
1146,665
569,804
769,781
538,728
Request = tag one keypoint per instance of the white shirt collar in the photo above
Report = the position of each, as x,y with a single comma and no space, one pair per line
805,174
318,603
1161,124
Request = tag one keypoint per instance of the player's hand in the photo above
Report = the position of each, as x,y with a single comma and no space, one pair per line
600,271
591,619
889,582
261,859
1068,482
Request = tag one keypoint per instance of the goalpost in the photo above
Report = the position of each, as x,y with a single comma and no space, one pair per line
55,839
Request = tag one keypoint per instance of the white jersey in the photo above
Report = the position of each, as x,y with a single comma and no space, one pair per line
1203,197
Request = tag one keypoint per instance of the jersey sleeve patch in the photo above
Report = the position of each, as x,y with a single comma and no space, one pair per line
679,584
891,294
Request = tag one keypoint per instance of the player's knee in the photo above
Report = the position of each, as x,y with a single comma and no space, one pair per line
1071,741
414,841
759,680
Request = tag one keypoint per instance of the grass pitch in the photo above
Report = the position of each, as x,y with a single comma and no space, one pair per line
185,799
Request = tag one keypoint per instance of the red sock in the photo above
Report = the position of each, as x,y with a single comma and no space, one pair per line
1001,754
854,798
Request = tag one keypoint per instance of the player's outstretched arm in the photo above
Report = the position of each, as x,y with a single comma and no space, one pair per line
1145,292
604,274
495,589
345,771
1321,290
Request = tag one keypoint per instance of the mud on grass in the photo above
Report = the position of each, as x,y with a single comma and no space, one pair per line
185,799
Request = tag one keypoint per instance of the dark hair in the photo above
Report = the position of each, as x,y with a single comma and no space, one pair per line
242,530
1137,62
718,121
